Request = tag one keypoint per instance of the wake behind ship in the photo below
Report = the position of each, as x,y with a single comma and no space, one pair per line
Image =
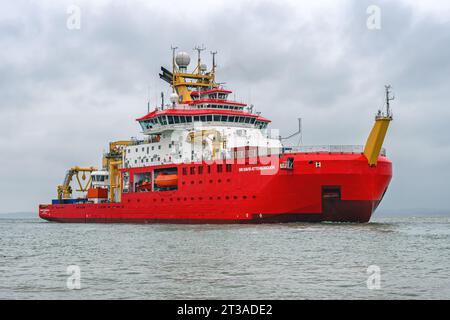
208,159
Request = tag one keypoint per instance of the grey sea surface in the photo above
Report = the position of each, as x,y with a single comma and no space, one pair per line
280,261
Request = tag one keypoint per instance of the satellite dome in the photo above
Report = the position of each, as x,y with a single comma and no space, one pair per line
203,67
182,59
173,97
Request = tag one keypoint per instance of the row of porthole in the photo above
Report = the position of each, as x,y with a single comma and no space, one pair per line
200,198
210,181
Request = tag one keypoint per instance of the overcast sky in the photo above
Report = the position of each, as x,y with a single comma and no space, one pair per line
65,93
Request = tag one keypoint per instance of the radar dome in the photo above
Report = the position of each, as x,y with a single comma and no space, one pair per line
182,59
173,97
203,67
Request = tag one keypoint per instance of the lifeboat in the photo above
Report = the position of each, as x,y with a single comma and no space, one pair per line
166,180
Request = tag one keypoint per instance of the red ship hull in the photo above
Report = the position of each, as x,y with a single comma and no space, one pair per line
339,187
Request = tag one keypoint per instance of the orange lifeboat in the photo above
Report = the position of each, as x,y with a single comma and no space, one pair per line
166,180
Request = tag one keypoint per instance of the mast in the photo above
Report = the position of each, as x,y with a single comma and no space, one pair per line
199,49
173,66
388,99
376,137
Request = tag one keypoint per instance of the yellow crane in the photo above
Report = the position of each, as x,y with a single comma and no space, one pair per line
112,162
64,190
378,133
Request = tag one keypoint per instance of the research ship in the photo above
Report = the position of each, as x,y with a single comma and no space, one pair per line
205,158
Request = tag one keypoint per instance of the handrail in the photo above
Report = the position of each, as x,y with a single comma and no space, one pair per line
329,149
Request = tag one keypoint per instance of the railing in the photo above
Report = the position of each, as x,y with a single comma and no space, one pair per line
329,148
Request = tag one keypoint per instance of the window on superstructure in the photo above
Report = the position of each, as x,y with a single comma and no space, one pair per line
203,118
192,170
228,168
219,168
188,118
224,118
200,170
216,117
170,119
176,119
252,120
247,120
209,117
196,118
241,119
209,169
231,119
184,171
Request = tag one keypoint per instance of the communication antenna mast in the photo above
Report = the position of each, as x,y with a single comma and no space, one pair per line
173,66
199,49
213,53
162,100
148,100
388,100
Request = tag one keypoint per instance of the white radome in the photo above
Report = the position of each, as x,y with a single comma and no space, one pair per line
173,97
182,59
203,67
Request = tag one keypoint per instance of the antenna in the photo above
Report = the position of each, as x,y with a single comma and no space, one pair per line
213,53
388,100
162,100
173,66
199,49
148,100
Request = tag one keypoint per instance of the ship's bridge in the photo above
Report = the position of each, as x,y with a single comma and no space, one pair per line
170,119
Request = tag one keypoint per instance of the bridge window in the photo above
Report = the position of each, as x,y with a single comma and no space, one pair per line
170,119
